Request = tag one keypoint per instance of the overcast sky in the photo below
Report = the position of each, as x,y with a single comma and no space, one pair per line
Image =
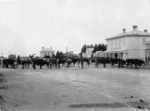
27,25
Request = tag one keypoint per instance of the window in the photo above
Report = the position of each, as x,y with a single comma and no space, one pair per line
115,44
144,41
108,45
124,43
119,43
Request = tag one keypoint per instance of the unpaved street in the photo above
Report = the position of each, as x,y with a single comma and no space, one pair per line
74,89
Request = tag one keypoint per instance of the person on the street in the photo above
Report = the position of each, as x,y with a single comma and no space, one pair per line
81,59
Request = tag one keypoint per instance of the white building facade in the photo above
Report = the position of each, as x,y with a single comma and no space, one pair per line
132,44
88,53
46,52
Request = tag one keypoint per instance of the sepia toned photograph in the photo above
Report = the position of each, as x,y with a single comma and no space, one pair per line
74,55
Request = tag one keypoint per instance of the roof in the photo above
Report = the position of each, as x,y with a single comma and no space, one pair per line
47,49
12,56
131,33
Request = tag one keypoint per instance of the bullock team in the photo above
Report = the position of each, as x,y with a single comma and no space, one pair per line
129,63
53,62
49,62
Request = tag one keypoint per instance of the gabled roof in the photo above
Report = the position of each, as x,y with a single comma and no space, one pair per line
131,33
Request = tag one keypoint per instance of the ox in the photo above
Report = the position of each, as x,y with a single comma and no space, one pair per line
136,62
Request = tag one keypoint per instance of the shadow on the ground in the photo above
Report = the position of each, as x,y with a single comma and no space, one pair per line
2,78
110,105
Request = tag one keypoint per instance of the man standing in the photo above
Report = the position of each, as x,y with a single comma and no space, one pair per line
81,59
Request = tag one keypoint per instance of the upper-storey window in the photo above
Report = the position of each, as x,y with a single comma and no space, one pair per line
124,42
144,41
111,43
115,44
119,43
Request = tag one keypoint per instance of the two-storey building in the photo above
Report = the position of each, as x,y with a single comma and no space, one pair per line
46,52
132,44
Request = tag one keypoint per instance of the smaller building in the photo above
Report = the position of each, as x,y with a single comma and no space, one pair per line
46,52
12,56
89,52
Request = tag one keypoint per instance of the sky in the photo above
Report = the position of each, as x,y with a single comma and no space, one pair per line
28,25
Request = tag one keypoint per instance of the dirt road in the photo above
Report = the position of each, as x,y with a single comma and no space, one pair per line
74,89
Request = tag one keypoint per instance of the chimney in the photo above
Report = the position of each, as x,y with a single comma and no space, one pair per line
124,30
134,27
42,48
145,31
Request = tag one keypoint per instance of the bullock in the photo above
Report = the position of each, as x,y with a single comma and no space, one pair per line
54,62
26,63
87,60
61,61
136,62
83,60
74,60
101,60
68,62
120,62
38,61
8,63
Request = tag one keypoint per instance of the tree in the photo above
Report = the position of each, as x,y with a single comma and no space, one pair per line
83,50
53,55
103,47
18,59
95,48
91,46
87,46
59,54
99,47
